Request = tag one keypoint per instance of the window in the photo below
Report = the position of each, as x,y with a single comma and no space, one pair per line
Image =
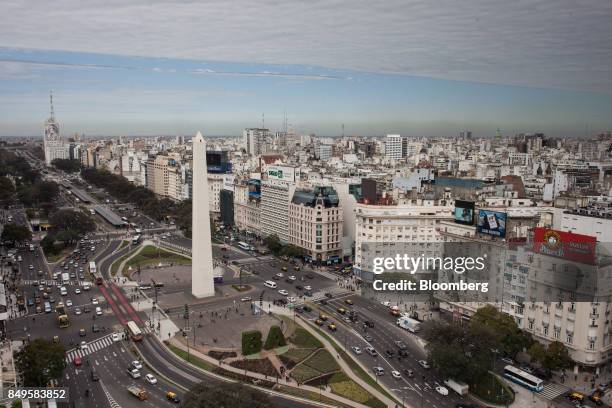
546,330
570,338
591,345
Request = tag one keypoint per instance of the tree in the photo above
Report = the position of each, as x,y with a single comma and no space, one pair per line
462,352
556,357
16,233
512,339
68,225
7,190
537,352
275,338
40,361
67,165
226,395
273,243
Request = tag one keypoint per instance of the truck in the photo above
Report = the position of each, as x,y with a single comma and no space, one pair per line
65,278
139,393
412,325
457,386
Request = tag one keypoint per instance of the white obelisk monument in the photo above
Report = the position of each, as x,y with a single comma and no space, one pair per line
202,276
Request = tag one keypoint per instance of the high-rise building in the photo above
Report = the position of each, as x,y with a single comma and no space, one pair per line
202,274
255,140
393,146
315,223
323,152
53,144
275,198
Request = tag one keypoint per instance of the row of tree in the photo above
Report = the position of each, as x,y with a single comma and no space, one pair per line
143,198
467,351
277,248
67,165
67,228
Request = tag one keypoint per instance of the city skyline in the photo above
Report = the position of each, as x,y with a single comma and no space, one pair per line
401,67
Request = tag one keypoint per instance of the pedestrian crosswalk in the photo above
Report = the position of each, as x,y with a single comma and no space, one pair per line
92,347
553,390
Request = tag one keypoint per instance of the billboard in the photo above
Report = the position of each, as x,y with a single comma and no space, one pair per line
285,173
255,188
228,182
464,212
491,223
573,247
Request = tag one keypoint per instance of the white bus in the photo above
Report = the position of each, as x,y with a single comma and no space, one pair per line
244,245
134,330
92,268
270,284
523,378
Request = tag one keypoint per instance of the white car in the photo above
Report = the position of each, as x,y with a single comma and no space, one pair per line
441,390
280,275
137,365
83,346
424,364
98,311
94,301
283,292
77,311
31,266
151,379
68,302
356,350
115,337
246,299
307,287
396,375
77,291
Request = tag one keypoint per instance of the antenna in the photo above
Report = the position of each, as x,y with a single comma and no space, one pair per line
263,121
343,130
51,103
285,122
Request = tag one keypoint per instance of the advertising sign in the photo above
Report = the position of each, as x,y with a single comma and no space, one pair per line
228,182
285,173
573,247
464,212
491,223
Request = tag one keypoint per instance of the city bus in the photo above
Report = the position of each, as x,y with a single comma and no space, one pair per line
92,268
134,330
244,245
523,378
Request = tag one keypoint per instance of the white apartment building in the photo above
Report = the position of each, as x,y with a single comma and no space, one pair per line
323,152
393,147
215,185
53,143
247,209
255,140
275,198
315,223
382,230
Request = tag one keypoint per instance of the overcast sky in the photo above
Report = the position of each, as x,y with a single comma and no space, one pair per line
411,67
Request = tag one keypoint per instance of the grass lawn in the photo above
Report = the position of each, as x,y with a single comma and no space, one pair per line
301,338
115,265
322,361
356,368
342,385
303,373
151,255
311,396
298,354
124,243
192,359
53,258
493,390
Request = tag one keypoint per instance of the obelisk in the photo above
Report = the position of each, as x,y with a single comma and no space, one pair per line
202,276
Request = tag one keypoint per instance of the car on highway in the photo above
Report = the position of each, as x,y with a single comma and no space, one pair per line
284,269
136,364
396,375
441,390
328,295
323,316
95,328
31,266
283,292
307,287
133,372
371,351
77,291
77,361
307,308
115,337
356,350
151,379
348,301
246,299
86,309
299,287
408,373
291,278
83,345
171,396
68,303
98,311
332,327
507,360
319,322
424,364
378,371
82,333
95,301
308,293
400,344
389,354
77,311
368,338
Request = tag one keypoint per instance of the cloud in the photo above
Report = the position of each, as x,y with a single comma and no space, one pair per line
543,43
